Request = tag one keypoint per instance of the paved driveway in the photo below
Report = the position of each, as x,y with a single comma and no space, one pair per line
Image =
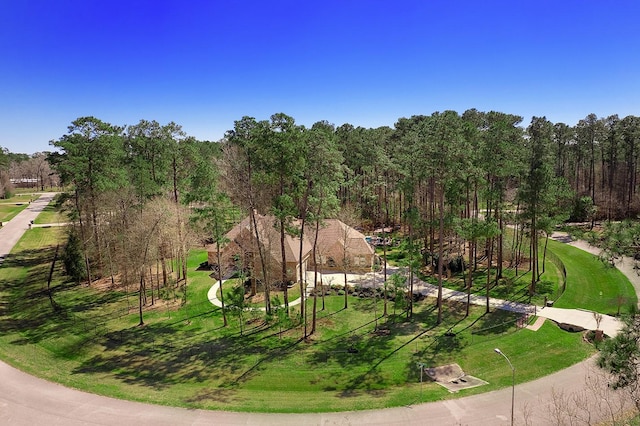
12,231
27,400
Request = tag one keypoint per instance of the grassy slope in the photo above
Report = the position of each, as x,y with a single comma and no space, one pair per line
591,284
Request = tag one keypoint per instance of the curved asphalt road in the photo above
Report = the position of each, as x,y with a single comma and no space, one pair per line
27,400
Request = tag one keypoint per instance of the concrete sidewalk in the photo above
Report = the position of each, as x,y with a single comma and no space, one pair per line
611,326
576,317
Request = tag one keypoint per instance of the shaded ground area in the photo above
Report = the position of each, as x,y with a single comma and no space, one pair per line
581,319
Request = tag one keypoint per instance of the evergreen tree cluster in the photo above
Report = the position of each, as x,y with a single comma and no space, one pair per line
450,182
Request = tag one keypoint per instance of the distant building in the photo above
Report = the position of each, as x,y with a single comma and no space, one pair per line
24,182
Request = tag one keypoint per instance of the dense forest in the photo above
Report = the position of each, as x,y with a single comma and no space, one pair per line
141,195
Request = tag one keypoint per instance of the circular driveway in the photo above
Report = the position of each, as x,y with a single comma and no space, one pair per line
27,400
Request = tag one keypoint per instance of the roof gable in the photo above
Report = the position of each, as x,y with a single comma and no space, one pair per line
332,235
335,232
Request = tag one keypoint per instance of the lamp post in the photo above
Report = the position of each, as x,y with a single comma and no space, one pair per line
421,366
513,381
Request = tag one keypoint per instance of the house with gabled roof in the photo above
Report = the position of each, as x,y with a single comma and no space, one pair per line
340,248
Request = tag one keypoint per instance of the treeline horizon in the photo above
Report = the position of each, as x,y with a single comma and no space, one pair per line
450,180
598,156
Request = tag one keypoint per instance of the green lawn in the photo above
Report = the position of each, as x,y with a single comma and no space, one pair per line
293,293
14,205
9,210
514,285
50,214
591,284
510,286
18,198
183,356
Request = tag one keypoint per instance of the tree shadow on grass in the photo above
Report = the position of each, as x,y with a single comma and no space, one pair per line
442,348
274,354
370,383
545,288
373,380
26,309
451,339
372,352
29,311
493,323
159,356
439,341
29,258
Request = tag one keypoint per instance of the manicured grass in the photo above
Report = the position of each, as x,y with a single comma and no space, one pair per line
591,284
9,210
510,286
183,356
35,238
514,285
50,214
293,293
18,198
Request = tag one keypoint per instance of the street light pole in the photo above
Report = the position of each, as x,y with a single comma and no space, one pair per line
421,365
513,381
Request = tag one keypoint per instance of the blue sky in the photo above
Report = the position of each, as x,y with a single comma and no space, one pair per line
204,64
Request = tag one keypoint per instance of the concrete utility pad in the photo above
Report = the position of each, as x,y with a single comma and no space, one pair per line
452,377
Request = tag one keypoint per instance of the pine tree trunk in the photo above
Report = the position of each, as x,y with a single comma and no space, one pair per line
534,257
489,260
284,268
140,299
440,254
224,309
470,274
384,259
315,279
265,275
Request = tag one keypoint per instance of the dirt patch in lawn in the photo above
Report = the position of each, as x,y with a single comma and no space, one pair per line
452,377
